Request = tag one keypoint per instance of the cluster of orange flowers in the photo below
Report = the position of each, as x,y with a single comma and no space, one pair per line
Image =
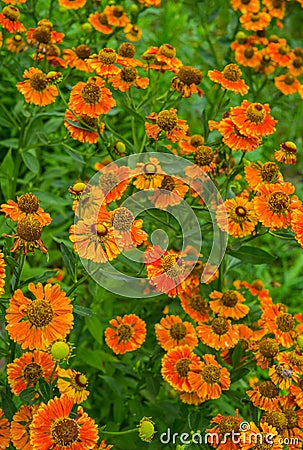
267,54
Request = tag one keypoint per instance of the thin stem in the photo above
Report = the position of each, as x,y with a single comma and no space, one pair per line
77,284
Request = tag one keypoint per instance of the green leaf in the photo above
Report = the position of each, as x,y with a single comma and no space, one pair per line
236,354
27,395
69,260
8,406
95,328
8,165
252,255
11,143
95,358
30,160
82,311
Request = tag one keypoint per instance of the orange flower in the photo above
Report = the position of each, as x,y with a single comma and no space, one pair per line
36,323
4,431
207,378
132,32
170,193
287,84
113,182
73,384
103,446
2,273
190,398
127,77
275,8
274,205
104,63
220,334
204,162
148,175
176,366
297,224
52,426
116,16
228,304
230,78
253,119
37,89
186,81
255,288
255,21
100,22
248,56
91,98
235,139
226,427
267,351
189,144
286,153
245,5
76,57
20,426
295,65
78,129
254,437
9,19
241,217
264,396
128,232
128,334
126,53
28,236
27,205
26,371
16,44
72,4
282,375
281,324
279,52
194,304
172,332
168,122
164,58
259,173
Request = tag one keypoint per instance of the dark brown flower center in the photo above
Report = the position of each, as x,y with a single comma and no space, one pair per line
269,348
269,172
29,229
289,79
189,75
177,331
167,120
82,51
289,147
32,372
232,72
108,181
278,202
64,432
38,82
124,332
276,419
255,17
198,304
239,214
268,389
40,313
42,35
292,418
80,381
123,219
107,56
297,62
196,140
249,53
203,156
182,367
211,374
28,203
129,74
127,50
256,113
167,50
220,326
285,322
118,11
277,4
103,19
91,93
168,183
258,284
283,49
228,424
229,298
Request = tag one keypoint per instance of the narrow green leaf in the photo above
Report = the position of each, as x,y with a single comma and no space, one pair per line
252,255
69,260
82,311
30,160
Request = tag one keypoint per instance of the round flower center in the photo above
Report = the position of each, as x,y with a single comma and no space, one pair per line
285,322
292,418
269,348
60,350
297,62
228,424
128,74
232,72
256,113
189,75
53,51
88,121
150,169
249,53
203,156
196,140
261,444
239,214
268,389
283,49
182,367
42,35
198,304
168,183
28,203
45,23
269,172
229,298
289,79
91,93
220,326
64,432
17,39
258,284
177,331
82,51
254,17
108,181
289,147
296,358
103,19
123,219
277,4
29,229
278,202
40,313
118,11
11,12
38,82
167,50
32,372
167,120
80,381
127,50
211,374
134,30
107,56
276,419
168,261
172,266
99,229
245,2
124,332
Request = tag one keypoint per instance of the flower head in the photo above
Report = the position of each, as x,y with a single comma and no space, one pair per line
230,78
37,89
167,122
73,384
128,333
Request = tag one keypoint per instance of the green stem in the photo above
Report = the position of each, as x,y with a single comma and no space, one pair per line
20,268
77,284
119,433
